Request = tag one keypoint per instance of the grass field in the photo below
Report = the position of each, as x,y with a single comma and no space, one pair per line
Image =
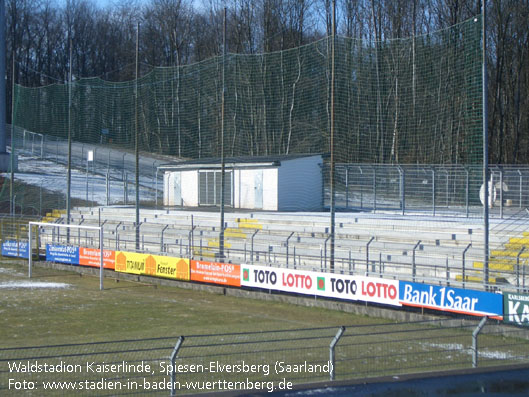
71,308
57,316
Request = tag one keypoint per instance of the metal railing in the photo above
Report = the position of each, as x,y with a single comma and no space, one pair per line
430,189
454,260
265,360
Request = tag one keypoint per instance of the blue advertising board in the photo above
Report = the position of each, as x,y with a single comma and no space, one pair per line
456,300
62,254
15,248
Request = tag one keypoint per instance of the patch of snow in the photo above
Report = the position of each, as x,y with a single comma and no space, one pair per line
11,272
497,355
32,284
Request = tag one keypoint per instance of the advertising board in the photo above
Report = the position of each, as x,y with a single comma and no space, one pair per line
216,273
15,248
456,300
152,265
516,308
62,254
91,257
330,285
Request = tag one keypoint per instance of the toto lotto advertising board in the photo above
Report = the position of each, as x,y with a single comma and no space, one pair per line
152,265
330,285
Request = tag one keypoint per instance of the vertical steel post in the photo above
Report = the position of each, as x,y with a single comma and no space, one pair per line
332,356
3,133
467,191
463,263
136,140
518,267
402,189
156,188
69,165
117,237
374,189
30,252
367,254
485,147
286,244
2,145
520,189
433,191
325,261
222,160
161,238
177,347
346,187
447,272
414,267
361,188
475,334
86,178
501,192
108,188
253,235
101,264
332,160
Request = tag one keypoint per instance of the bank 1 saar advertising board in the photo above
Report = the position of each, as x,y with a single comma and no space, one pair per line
329,285
456,300
152,265
216,273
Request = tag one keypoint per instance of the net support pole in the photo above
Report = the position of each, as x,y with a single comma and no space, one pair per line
3,133
13,150
485,148
333,202
69,165
222,161
136,143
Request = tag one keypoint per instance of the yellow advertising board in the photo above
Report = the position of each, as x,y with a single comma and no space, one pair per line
152,265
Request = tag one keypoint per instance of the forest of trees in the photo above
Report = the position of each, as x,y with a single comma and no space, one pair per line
185,32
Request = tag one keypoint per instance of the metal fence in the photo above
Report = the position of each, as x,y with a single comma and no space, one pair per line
430,189
415,251
105,175
259,361
101,174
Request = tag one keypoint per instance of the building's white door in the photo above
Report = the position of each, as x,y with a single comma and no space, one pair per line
258,190
177,188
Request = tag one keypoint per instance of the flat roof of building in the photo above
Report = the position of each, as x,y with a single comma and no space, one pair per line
235,162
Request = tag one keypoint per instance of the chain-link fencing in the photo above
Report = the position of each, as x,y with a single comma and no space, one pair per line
260,361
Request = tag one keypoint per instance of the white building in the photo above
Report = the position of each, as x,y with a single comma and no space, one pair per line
276,183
